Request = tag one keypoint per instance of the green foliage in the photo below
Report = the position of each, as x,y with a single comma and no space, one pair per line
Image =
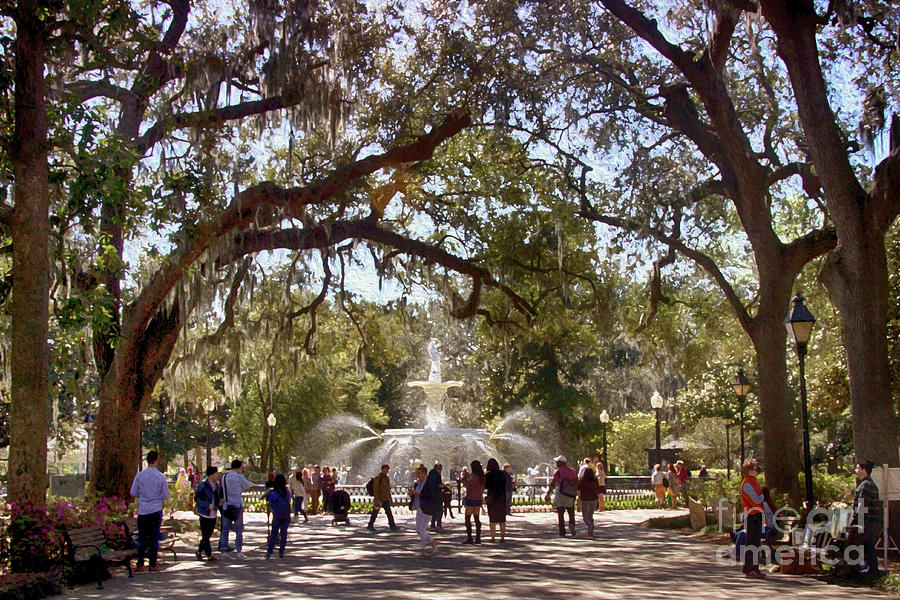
628,440
631,503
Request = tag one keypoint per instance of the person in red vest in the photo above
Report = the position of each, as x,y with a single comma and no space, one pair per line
752,512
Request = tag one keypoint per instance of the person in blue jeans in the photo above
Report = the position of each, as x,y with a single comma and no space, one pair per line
279,501
233,484
150,488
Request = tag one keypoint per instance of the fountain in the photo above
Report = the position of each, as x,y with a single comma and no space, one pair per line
437,441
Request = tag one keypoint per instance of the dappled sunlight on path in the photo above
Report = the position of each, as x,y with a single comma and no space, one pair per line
324,562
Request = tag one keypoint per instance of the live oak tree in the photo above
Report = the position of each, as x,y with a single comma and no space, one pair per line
604,84
146,78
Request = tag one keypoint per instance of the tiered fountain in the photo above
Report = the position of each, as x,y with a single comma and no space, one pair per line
436,441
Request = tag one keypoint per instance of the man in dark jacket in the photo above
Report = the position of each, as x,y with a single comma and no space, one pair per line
867,516
431,498
206,499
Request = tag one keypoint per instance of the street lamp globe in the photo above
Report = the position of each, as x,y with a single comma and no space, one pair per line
656,401
800,322
88,421
271,420
604,417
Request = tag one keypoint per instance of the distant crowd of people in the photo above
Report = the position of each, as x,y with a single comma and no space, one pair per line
487,489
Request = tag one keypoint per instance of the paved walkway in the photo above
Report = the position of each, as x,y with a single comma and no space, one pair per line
623,561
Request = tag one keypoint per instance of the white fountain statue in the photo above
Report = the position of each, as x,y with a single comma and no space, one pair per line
435,389
436,441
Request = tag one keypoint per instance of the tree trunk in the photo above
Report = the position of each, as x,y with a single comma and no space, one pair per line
778,412
858,285
29,308
856,270
124,392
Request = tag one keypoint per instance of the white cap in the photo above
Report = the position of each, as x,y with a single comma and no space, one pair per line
560,458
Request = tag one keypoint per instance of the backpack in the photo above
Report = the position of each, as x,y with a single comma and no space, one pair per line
370,487
568,487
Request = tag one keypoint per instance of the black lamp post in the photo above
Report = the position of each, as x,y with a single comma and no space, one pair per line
799,324
271,421
210,406
728,425
88,422
604,418
741,387
656,403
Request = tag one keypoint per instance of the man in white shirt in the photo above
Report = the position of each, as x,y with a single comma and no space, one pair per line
150,488
233,485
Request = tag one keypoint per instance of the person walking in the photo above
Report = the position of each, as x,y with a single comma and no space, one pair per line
298,493
600,472
434,480
315,489
279,501
381,498
495,498
589,493
658,481
150,488
233,485
752,513
426,502
674,485
510,487
206,500
566,479
474,483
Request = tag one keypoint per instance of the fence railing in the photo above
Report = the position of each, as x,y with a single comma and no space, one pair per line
617,488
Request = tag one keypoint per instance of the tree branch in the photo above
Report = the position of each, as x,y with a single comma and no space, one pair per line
885,192
268,197
86,90
703,260
324,236
211,118
228,322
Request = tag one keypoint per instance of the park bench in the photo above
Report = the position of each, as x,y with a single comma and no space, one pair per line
167,536
808,548
90,545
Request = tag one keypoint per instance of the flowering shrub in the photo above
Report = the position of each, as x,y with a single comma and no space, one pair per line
31,537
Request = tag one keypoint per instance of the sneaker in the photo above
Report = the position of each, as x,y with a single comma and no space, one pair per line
268,556
432,529
370,528
395,528
281,556
240,555
212,559
199,555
